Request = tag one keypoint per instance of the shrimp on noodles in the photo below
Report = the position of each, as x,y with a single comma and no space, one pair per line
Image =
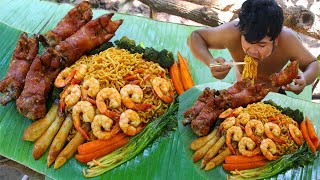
84,111
295,134
226,124
163,89
259,130
63,78
131,95
247,147
268,148
90,89
103,128
243,119
234,133
114,98
70,96
129,121
273,132
78,73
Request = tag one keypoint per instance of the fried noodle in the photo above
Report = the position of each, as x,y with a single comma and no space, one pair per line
250,69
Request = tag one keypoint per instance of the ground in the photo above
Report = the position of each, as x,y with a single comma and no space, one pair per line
12,170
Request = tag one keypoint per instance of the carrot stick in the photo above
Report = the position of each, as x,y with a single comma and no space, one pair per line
84,158
176,78
96,145
312,133
242,159
185,73
306,137
243,166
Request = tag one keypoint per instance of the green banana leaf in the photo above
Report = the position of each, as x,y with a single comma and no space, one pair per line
165,158
187,99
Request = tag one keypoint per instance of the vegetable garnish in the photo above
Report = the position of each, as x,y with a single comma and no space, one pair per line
137,144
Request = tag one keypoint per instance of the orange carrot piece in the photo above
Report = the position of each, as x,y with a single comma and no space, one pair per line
175,75
304,131
312,133
84,158
236,159
243,166
185,73
96,145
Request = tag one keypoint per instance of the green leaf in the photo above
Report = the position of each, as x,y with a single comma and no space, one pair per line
187,99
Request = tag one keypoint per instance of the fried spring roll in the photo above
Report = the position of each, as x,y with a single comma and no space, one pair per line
70,149
73,21
23,55
90,36
42,144
36,129
59,140
39,80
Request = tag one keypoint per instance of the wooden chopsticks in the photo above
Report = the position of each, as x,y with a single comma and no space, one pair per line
231,63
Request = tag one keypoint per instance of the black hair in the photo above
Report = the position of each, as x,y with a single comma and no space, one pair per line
260,18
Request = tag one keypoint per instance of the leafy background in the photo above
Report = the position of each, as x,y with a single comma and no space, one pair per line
163,159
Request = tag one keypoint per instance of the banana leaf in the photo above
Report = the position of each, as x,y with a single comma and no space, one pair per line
165,158
187,99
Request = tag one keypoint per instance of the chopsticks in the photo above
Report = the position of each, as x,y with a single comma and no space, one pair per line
231,63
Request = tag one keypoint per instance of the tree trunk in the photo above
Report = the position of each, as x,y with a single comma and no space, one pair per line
216,12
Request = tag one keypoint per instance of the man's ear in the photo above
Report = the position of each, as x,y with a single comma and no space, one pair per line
276,40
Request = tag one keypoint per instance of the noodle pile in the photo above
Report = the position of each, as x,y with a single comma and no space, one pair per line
250,68
264,113
110,67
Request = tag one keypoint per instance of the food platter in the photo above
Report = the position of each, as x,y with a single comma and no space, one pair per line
165,158
308,108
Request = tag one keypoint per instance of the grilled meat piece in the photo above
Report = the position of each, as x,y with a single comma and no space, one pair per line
23,55
87,38
286,76
78,16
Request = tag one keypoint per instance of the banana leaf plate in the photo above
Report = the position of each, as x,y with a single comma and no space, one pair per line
165,158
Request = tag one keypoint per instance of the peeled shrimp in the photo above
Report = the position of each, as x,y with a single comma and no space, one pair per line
84,111
131,95
70,96
273,132
114,98
295,134
102,127
268,148
247,147
226,124
90,89
233,134
163,89
63,78
258,129
129,121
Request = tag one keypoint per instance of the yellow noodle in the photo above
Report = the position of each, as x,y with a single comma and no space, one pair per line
250,69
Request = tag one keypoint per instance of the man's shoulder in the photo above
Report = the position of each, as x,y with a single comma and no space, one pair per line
287,34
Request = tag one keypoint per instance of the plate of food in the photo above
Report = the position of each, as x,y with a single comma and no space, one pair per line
267,127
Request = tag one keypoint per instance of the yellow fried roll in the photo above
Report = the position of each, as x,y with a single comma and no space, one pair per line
59,140
41,145
36,129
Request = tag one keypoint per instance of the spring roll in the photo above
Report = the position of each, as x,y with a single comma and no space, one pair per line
59,140
41,145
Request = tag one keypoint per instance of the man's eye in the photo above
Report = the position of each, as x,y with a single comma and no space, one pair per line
261,45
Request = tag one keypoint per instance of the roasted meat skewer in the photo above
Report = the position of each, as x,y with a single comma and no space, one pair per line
73,21
286,76
89,37
23,55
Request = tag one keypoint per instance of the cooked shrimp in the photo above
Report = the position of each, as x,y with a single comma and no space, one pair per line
237,111
85,111
226,113
163,89
90,89
226,124
131,95
103,128
295,134
258,129
273,132
63,78
243,118
114,98
129,121
78,73
268,148
233,133
247,147
70,96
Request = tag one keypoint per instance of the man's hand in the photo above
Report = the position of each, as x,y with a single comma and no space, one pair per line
220,72
298,86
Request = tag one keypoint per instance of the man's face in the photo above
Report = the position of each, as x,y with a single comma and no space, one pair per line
259,50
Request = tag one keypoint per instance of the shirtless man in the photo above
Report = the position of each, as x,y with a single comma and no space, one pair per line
260,34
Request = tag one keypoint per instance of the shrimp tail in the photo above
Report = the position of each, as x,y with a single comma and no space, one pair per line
141,107
231,148
113,115
278,140
256,139
62,106
75,81
84,133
